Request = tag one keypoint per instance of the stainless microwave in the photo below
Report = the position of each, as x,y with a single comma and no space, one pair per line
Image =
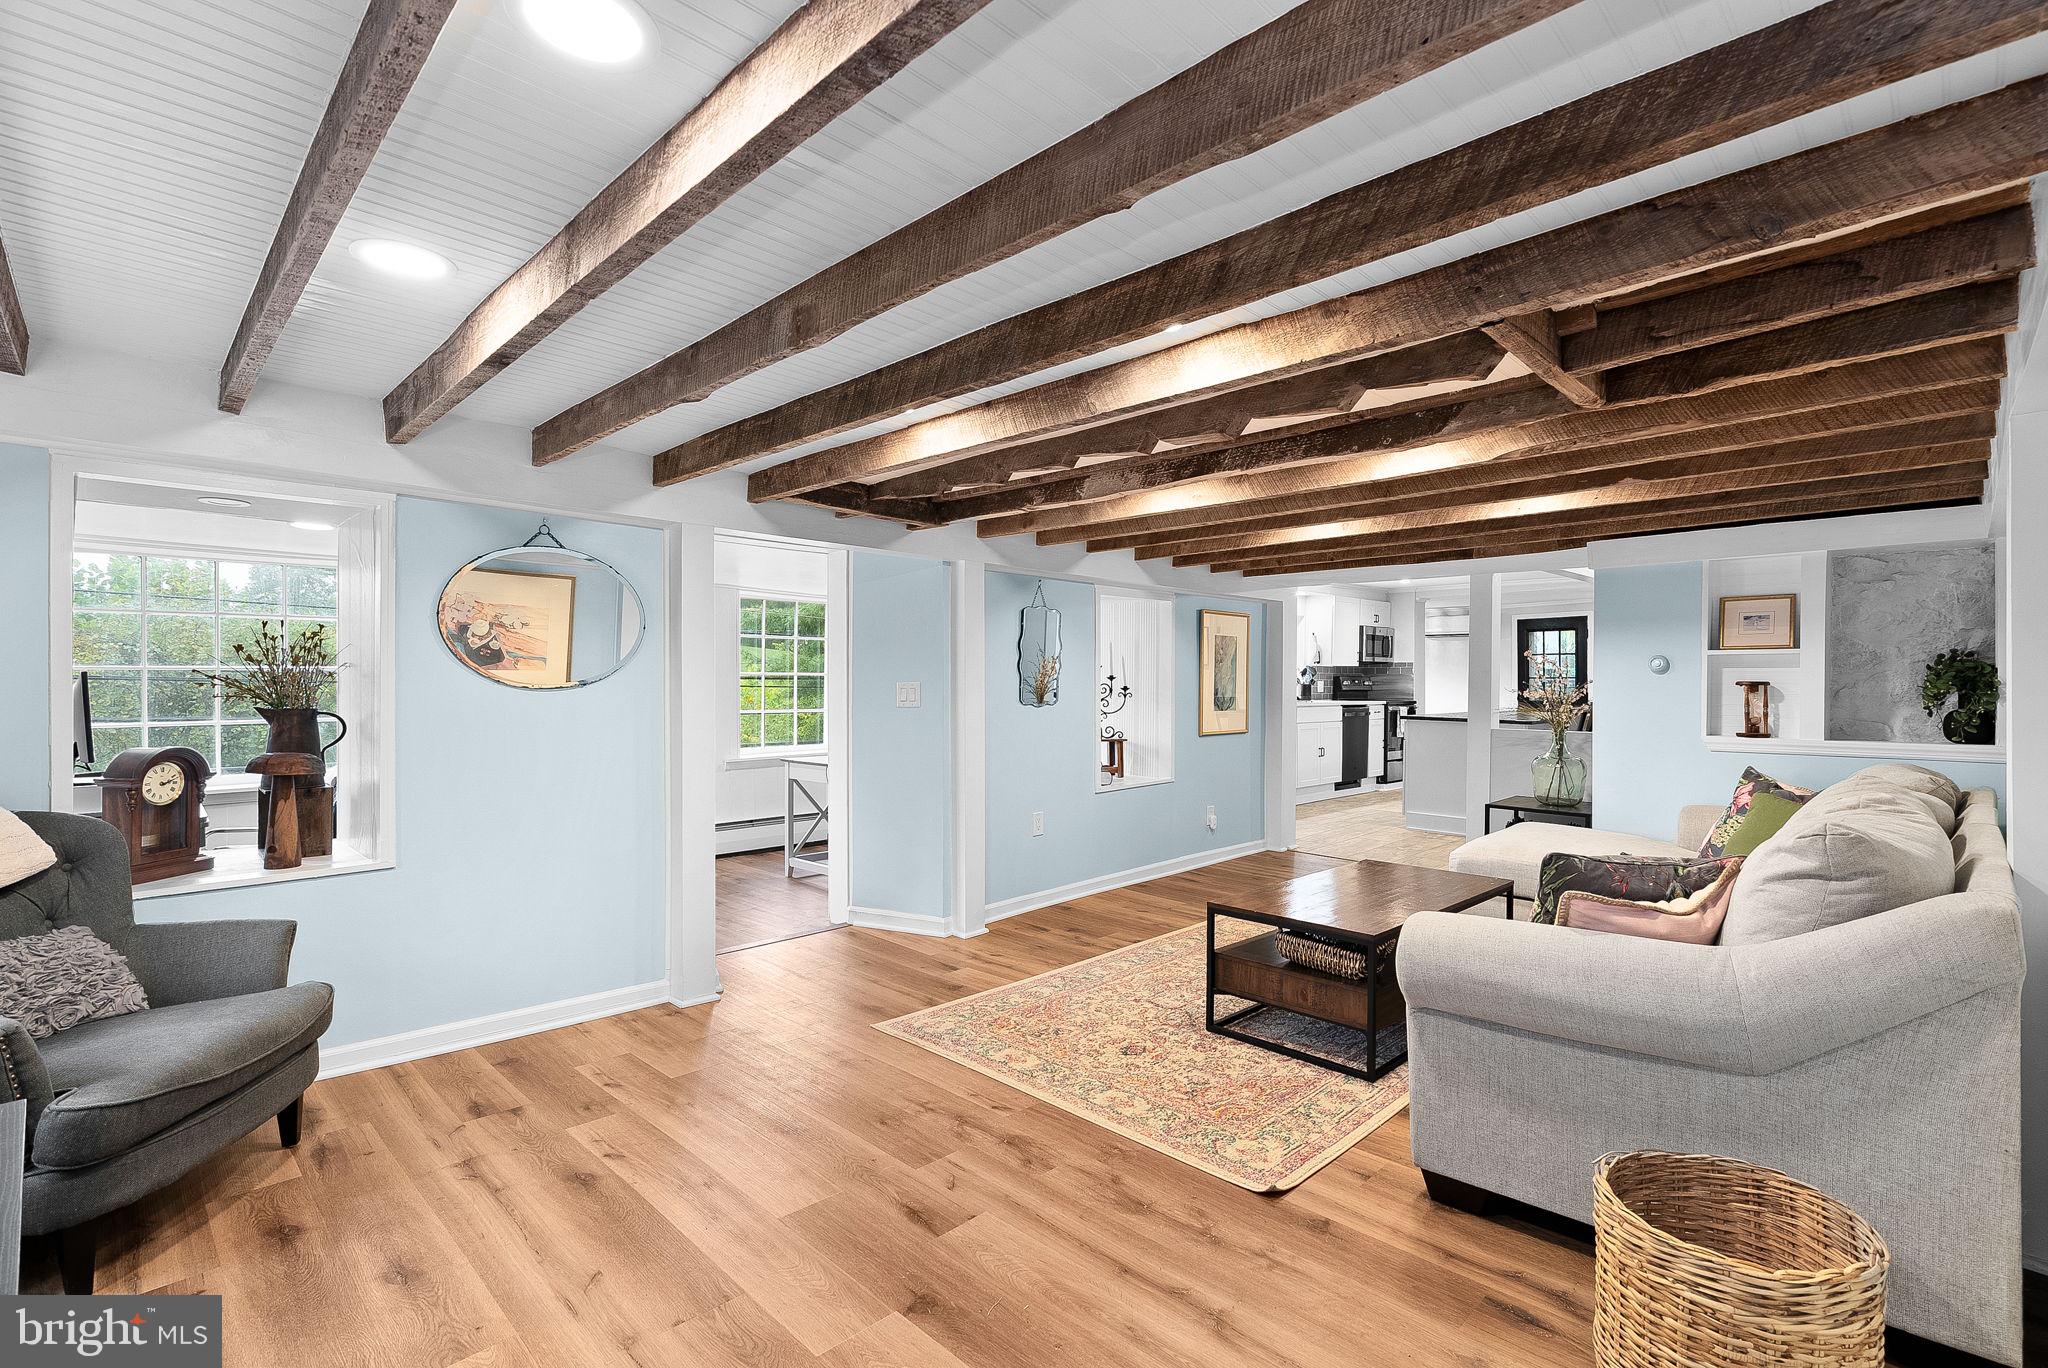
1375,643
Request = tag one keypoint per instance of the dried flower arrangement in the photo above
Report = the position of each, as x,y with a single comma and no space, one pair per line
1552,696
1046,679
280,670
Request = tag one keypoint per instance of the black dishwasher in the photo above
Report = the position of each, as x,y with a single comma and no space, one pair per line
1357,746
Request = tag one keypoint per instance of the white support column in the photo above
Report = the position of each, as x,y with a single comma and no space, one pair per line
969,900
2023,726
839,734
1480,703
692,768
1281,775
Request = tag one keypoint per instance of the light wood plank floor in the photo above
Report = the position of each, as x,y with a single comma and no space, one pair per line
1367,826
770,1181
758,903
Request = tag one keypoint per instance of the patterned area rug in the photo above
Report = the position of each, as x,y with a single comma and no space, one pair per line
1119,1040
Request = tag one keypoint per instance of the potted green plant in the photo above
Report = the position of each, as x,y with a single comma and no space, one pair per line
1557,776
1973,682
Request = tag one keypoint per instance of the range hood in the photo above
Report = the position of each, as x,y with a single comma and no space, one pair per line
1447,622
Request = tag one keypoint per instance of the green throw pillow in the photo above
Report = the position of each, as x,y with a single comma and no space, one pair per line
1768,814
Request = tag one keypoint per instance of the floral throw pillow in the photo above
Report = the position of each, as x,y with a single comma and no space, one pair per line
1753,782
1694,919
1641,879
64,977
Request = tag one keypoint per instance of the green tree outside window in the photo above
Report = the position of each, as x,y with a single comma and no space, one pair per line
782,673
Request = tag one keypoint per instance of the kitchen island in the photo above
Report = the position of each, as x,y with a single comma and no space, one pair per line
1434,793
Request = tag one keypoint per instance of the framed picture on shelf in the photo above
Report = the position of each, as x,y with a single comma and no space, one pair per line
1759,622
1225,673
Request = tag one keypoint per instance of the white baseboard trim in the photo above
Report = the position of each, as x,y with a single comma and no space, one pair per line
1443,823
882,919
1031,902
484,1030
697,1001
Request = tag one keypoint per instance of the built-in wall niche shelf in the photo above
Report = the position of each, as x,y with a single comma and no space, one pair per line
1875,750
1797,675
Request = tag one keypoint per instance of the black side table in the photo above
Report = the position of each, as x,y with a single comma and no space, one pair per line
1580,814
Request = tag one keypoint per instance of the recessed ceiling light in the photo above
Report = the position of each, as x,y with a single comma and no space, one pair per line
400,259
223,501
308,525
607,32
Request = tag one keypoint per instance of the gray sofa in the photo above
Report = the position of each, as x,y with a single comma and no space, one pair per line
1877,1058
118,1108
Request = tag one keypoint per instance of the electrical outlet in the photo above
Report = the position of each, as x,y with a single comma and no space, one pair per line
1038,824
1212,817
909,696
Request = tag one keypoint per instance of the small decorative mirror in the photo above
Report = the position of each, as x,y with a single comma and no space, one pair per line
540,616
1038,653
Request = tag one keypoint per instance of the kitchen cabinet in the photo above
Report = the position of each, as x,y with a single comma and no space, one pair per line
1319,746
1317,628
1349,616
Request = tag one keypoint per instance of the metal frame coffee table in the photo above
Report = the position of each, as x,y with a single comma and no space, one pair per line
1360,906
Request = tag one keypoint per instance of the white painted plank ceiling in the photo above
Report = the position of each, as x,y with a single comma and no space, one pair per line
147,148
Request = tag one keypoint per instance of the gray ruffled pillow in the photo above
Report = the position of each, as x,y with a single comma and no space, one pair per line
63,977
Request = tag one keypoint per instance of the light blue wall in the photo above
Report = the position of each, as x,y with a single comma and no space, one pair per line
25,651
900,632
531,826
1046,759
1652,760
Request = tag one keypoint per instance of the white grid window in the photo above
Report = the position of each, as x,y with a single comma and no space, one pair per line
782,673
142,624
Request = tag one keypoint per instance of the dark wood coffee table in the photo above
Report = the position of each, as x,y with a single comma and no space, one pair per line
1360,906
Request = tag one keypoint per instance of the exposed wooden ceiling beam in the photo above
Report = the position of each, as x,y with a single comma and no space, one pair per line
1488,412
1949,485
1330,394
1317,59
1806,62
1987,248
1532,339
1985,309
391,46
1961,462
1856,427
1305,486
1911,446
1947,154
13,325
823,60
1944,257
1948,255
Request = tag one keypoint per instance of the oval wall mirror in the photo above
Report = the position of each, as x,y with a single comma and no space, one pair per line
540,616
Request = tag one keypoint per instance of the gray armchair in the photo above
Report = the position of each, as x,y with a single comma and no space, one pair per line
118,1108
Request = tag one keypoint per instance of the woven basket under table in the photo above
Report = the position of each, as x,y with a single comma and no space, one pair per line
1701,1262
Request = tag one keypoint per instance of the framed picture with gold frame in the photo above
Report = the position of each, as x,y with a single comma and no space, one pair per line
1759,622
1225,705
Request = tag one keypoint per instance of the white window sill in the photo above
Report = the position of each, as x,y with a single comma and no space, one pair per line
241,866
1119,785
767,759
219,786
1873,750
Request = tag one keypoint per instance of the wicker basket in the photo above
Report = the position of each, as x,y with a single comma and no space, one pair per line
1701,1261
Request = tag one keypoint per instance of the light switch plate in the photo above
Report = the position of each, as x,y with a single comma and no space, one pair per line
909,695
